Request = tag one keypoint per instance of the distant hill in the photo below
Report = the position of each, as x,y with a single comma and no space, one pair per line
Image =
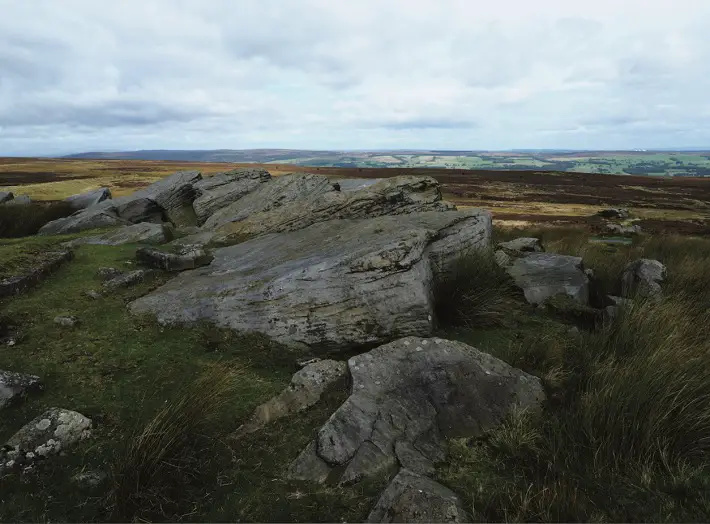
637,162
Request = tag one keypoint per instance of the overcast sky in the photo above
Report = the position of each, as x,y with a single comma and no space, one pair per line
86,75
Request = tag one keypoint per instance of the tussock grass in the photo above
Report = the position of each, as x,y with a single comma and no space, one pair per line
167,449
21,221
475,292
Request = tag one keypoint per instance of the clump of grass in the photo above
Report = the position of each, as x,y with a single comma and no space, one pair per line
474,292
24,220
167,449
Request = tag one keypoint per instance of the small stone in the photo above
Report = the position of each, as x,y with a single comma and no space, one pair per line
108,273
66,321
93,294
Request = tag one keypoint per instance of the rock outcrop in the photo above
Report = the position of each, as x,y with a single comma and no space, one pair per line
145,232
618,213
406,396
392,196
6,196
338,284
222,189
53,431
411,497
544,275
89,198
19,200
621,229
643,278
14,386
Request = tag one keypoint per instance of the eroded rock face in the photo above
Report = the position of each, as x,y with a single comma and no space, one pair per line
411,497
144,232
222,189
174,195
391,196
171,261
89,198
406,396
338,284
544,275
306,388
14,386
53,431
643,278
99,216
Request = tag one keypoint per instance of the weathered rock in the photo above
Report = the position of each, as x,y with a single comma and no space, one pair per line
621,229
95,217
502,258
19,284
543,275
523,245
66,321
89,479
144,232
392,196
14,386
174,195
643,278
569,309
89,198
611,311
619,213
338,284
278,192
135,210
19,200
108,273
356,184
6,196
172,262
222,189
192,242
53,431
93,294
306,388
411,497
129,279
406,396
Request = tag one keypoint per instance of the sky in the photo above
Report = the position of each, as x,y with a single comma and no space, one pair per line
88,75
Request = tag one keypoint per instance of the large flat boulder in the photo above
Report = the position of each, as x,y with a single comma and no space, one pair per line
278,192
88,198
222,189
406,397
336,284
145,232
99,216
544,275
391,196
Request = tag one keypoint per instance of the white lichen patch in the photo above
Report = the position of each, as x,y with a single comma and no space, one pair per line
43,424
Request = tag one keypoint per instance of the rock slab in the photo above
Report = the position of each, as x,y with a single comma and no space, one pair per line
643,277
406,396
171,261
333,285
89,198
144,232
544,275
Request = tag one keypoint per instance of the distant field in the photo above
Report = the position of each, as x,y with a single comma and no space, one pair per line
679,204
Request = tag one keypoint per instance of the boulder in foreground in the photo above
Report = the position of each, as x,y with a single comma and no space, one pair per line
544,275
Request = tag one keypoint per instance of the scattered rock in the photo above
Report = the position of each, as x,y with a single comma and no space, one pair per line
93,294
52,432
172,262
50,263
333,285
144,232
89,198
619,213
222,189
523,245
126,280
66,321
411,497
406,396
643,278
544,275
14,386
612,310
90,479
6,196
621,229
393,196
502,258
19,200
306,388
108,273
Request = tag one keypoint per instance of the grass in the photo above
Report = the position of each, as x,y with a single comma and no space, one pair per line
624,434
21,221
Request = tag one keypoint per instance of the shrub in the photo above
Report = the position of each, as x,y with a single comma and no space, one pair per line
475,292
24,220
